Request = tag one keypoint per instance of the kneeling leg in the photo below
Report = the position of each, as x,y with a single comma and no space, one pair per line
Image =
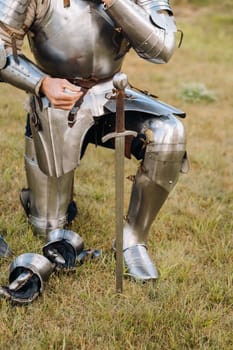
48,200
158,174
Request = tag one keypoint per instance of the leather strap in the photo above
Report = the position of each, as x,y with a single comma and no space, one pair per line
88,83
14,36
73,112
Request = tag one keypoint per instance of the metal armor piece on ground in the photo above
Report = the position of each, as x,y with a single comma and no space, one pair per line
88,254
28,272
62,248
5,250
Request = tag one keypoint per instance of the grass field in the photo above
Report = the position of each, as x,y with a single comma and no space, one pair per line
191,306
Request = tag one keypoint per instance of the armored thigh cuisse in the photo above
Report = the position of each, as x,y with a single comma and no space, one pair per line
158,174
48,200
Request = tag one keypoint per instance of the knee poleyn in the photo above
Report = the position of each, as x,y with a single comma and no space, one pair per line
165,154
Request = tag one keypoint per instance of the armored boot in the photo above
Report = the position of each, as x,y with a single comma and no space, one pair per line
48,201
158,174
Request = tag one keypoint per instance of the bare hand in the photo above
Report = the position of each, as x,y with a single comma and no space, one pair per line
107,2
60,92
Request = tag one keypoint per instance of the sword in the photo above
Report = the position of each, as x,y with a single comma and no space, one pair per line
120,82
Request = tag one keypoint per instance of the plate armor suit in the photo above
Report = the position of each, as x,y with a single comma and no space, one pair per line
85,42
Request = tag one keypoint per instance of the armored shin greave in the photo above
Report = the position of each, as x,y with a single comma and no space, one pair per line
154,180
48,200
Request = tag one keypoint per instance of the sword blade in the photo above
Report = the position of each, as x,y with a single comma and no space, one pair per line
119,194
120,82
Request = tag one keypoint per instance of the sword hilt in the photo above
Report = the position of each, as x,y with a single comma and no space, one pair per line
120,81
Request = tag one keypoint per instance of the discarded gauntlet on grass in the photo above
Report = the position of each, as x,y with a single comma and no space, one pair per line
5,250
62,248
28,272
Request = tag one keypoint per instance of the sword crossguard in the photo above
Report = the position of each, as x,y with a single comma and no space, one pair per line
113,135
120,81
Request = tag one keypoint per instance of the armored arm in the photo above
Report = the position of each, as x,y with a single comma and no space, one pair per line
15,19
21,73
149,30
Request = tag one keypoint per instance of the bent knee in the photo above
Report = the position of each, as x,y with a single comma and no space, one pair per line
165,133
165,155
166,130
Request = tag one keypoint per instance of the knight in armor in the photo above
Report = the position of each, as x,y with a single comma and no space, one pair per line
78,46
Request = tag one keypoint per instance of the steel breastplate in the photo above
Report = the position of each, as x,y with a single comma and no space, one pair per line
78,41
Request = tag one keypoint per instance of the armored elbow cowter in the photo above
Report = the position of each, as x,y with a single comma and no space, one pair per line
150,32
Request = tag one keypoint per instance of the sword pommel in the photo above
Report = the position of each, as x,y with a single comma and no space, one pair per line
120,81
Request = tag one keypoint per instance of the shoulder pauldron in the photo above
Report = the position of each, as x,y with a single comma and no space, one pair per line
13,13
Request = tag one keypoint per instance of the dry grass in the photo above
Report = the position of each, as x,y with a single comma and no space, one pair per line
191,307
